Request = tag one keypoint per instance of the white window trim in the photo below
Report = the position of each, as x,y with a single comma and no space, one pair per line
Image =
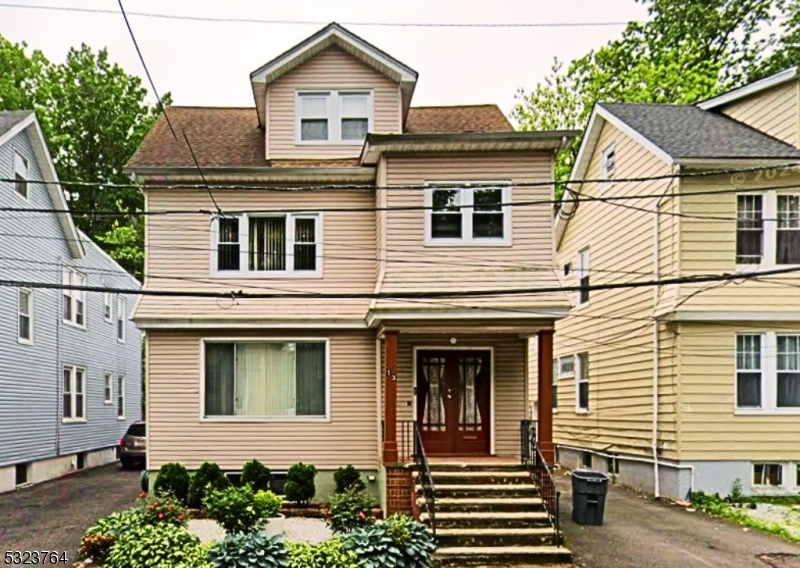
770,245
604,173
252,419
73,375
334,114
121,395
566,374
108,302
466,202
769,377
108,385
583,269
244,248
578,381
27,163
31,311
74,296
762,487
122,317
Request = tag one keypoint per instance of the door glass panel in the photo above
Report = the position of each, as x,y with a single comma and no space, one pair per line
434,391
469,394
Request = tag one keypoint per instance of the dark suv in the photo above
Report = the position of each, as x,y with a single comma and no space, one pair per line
133,446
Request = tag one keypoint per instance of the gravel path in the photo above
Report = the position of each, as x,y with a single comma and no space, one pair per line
294,529
787,517
53,515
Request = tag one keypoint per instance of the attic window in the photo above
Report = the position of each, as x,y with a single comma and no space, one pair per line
333,117
609,162
21,175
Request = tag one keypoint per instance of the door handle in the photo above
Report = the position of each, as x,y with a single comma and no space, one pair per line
449,394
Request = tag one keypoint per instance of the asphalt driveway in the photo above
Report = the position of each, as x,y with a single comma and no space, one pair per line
53,515
641,533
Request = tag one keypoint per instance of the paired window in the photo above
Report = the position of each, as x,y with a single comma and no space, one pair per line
334,116
265,379
768,229
272,244
108,307
121,316
25,315
74,301
121,397
609,162
583,277
768,474
74,399
582,386
108,393
767,371
468,215
21,175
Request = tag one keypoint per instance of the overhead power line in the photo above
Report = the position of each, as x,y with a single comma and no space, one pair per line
230,20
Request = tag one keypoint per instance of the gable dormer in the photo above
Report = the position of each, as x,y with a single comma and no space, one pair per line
321,97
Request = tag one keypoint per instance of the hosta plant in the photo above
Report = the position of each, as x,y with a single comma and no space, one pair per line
328,554
249,551
98,539
149,546
414,539
374,547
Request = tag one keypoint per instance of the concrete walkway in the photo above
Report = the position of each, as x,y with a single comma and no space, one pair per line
641,533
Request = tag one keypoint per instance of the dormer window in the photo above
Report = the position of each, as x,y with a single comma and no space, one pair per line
337,117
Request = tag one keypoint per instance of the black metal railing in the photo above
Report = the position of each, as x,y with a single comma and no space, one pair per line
425,477
541,474
405,441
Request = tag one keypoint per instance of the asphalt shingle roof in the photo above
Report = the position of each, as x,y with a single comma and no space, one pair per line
10,118
685,131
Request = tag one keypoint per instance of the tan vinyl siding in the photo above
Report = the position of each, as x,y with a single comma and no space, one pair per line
509,381
708,246
710,429
413,265
176,432
614,328
180,257
332,69
775,111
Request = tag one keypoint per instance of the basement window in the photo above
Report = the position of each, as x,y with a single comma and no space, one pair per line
586,459
612,462
768,474
22,473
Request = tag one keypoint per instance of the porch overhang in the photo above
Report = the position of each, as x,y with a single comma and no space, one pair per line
467,321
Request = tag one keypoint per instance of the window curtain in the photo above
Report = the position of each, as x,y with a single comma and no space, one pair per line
311,395
265,383
219,379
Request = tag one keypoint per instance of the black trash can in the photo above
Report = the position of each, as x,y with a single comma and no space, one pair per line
589,490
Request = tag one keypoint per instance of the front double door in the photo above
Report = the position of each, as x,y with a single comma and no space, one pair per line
453,401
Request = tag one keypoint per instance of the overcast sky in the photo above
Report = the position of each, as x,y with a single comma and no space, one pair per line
205,63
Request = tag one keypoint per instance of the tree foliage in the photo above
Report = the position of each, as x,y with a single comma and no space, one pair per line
94,115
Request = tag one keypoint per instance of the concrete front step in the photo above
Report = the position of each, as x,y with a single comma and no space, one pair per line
483,537
522,520
480,477
485,504
475,466
478,491
501,555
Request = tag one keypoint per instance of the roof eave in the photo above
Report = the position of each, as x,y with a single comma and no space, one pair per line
727,162
176,174
753,88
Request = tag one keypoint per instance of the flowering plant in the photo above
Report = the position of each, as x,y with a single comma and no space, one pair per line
350,510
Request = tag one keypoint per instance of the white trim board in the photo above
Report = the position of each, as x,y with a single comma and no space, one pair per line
753,88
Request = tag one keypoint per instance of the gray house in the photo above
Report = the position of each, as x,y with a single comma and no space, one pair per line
70,361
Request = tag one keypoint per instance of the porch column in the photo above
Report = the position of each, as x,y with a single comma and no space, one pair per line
390,398
544,425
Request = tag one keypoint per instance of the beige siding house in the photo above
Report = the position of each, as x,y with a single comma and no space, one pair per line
686,385
319,309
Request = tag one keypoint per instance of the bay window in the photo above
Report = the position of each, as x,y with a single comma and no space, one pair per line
768,229
342,117
468,215
266,379
767,372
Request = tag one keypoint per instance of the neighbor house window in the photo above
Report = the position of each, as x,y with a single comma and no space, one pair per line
768,474
108,307
768,372
270,244
108,394
334,116
74,301
609,162
749,229
567,269
555,383
566,367
21,175
120,397
582,386
788,231
583,277
468,215
25,315
768,229
74,399
121,317
265,379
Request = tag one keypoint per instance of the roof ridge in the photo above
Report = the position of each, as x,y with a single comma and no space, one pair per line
472,105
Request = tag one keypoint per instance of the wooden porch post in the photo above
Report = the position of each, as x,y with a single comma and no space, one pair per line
544,425
390,399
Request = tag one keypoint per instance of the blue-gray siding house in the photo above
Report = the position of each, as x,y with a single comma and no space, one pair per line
70,361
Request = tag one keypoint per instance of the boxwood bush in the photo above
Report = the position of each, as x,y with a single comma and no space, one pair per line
172,479
257,475
348,477
299,486
208,476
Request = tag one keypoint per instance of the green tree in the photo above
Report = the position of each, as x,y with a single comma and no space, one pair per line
786,52
21,76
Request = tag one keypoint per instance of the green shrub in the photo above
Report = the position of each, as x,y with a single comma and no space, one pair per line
347,478
172,479
328,554
299,486
157,509
95,546
240,510
208,477
154,545
400,542
257,475
413,538
98,539
347,511
249,551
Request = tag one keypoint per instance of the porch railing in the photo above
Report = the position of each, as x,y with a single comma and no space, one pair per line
405,440
541,474
425,477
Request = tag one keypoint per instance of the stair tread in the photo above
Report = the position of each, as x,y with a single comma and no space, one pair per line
497,532
457,487
478,473
482,515
491,550
485,500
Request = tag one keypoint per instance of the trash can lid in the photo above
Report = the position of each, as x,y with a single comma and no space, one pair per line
588,475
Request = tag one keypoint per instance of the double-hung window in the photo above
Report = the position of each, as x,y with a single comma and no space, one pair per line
468,215
108,307
73,394
21,175
121,318
108,385
788,231
342,117
583,277
121,397
582,384
25,315
555,383
266,379
749,229
279,245
767,372
768,229
74,301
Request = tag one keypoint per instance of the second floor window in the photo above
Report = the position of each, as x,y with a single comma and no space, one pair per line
768,229
468,215
74,301
788,230
269,244
108,307
121,316
21,175
582,384
25,312
333,116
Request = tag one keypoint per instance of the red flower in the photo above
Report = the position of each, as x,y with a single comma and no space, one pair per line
142,495
155,504
180,517
161,515
362,515
170,508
